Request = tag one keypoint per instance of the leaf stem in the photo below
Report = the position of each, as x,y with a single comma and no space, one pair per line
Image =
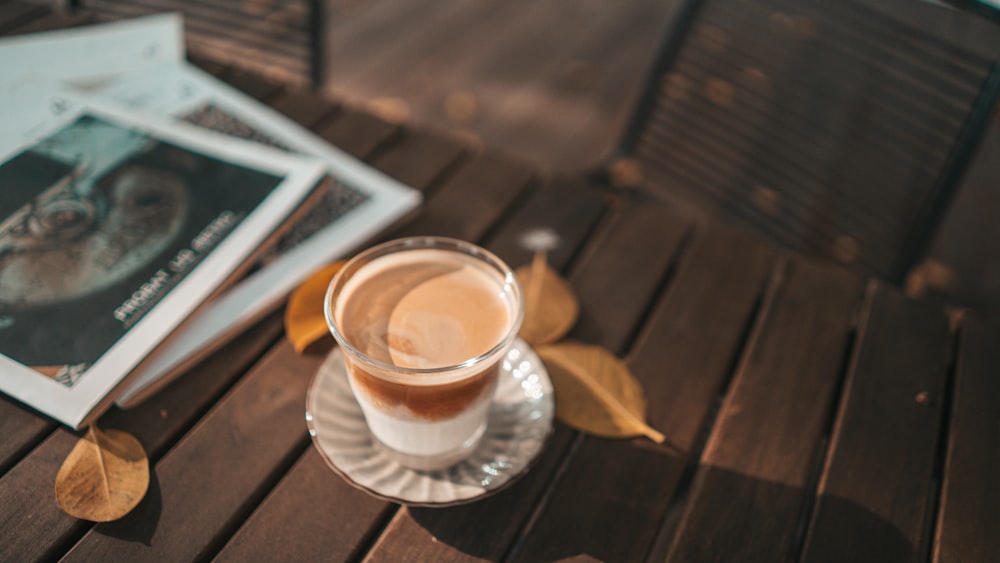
100,456
653,434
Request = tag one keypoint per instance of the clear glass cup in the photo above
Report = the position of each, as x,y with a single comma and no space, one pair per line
423,324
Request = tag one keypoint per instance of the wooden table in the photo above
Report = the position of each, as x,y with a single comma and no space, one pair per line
810,415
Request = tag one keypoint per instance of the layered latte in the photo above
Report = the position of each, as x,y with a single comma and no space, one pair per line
423,330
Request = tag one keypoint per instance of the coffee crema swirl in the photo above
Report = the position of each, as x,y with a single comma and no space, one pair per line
424,309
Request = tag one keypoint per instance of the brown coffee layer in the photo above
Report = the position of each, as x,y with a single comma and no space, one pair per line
431,402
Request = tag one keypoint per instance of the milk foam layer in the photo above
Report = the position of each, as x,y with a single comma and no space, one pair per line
424,309
414,436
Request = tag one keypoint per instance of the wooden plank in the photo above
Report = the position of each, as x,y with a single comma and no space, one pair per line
52,21
251,83
289,66
16,14
471,201
208,64
31,529
968,519
303,106
694,335
32,526
317,516
876,484
472,531
160,420
419,158
237,449
230,31
748,497
356,132
567,206
440,44
614,489
620,272
21,429
606,511
618,277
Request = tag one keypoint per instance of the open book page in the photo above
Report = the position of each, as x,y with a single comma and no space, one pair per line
114,228
89,57
357,205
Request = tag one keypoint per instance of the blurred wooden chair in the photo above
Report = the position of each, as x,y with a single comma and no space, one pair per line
837,128
283,39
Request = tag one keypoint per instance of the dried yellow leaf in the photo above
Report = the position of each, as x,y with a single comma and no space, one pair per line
104,477
550,306
305,324
596,392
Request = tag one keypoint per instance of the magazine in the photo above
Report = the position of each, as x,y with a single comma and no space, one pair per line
88,57
360,202
114,228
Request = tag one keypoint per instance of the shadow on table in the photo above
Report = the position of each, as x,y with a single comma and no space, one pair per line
140,524
742,518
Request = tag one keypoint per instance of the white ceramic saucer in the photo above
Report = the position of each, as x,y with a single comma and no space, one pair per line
520,422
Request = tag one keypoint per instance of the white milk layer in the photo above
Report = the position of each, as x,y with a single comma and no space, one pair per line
420,437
